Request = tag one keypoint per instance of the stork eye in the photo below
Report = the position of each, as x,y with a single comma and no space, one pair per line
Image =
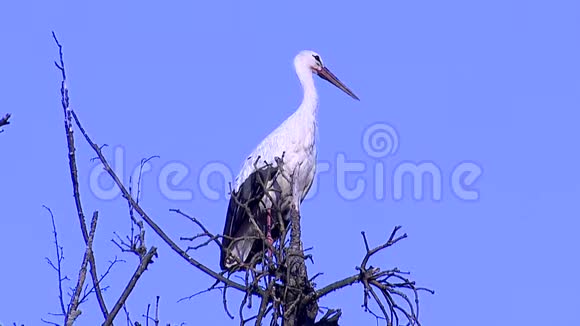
317,58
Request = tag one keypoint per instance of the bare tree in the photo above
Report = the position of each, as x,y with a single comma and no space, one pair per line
278,281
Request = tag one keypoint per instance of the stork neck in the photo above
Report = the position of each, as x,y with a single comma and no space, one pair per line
310,99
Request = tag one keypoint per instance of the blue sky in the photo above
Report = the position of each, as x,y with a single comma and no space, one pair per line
493,83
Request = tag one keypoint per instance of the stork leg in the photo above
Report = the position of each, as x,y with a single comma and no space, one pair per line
269,231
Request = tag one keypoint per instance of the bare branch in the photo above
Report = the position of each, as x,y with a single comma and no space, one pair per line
136,243
296,310
150,221
145,261
65,102
373,280
73,311
392,240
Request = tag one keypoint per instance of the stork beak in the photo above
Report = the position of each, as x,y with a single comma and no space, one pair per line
325,74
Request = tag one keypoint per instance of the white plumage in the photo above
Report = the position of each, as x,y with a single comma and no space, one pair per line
295,140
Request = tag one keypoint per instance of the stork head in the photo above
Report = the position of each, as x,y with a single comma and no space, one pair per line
313,61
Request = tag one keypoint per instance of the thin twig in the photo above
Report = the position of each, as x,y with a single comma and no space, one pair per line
157,311
129,322
111,264
209,289
49,322
59,259
198,223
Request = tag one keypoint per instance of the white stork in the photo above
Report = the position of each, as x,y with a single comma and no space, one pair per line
294,141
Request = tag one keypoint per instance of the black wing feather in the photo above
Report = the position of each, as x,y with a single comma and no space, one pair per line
250,192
